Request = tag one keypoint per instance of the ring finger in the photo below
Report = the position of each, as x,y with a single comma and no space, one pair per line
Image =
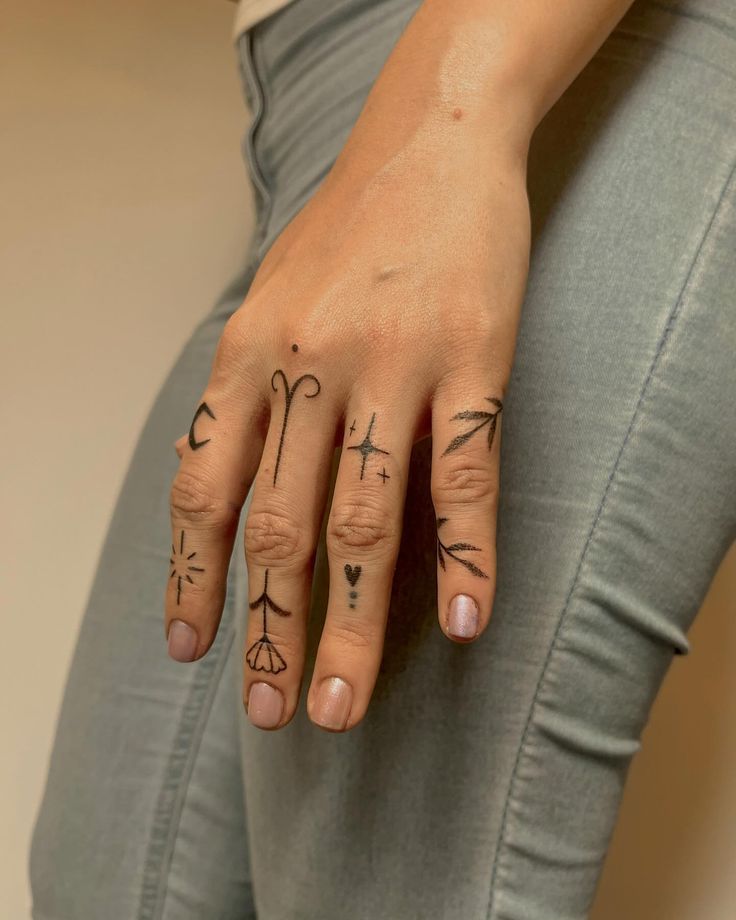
363,535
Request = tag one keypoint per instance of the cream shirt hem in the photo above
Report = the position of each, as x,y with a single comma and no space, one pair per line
249,12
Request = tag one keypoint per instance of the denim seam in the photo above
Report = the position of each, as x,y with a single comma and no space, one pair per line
252,71
661,344
175,784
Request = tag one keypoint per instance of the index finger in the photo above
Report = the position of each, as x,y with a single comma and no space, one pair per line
218,464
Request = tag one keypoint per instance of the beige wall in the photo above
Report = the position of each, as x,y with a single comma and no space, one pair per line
124,210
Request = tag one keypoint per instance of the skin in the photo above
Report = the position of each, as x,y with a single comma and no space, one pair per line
400,283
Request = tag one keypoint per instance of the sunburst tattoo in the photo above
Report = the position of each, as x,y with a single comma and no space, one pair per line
263,654
182,566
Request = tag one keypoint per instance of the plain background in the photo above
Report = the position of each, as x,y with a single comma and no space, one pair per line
125,210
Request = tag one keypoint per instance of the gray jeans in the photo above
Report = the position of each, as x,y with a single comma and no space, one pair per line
485,780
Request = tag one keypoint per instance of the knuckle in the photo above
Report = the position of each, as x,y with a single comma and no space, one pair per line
230,346
271,536
236,353
352,633
192,500
464,484
359,526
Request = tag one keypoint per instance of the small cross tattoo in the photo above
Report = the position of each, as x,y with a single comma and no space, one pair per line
352,427
384,475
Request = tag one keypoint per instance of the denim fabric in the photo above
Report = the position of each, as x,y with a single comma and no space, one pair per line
485,780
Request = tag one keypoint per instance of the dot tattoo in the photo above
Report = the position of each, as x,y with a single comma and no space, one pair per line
352,573
182,566
367,447
289,396
453,549
193,442
483,418
263,654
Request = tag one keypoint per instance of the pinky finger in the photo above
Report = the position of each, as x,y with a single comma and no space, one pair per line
465,485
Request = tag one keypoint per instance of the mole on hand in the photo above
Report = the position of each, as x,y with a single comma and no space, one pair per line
457,114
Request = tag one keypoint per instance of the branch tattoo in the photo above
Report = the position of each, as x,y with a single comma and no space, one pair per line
263,654
193,442
483,418
182,566
289,396
452,551
352,573
367,447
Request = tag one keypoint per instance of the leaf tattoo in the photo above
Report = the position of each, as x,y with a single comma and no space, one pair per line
453,549
476,415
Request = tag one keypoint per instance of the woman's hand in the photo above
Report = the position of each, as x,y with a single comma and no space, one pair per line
387,310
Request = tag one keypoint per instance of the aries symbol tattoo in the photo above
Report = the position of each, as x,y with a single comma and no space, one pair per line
453,550
484,418
263,654
182,566
193,442
289,396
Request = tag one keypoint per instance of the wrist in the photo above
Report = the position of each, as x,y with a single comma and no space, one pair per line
449,93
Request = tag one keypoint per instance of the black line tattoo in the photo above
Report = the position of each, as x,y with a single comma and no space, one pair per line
453,550
484,418
367,447
352,573
193,442
182,566
289,395
263,654
352,427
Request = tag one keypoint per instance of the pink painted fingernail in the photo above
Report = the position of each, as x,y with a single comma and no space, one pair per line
182,641
462,617
265,705
332,705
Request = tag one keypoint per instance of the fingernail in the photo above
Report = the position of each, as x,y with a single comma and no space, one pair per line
332,706
462,617
265,705
182,641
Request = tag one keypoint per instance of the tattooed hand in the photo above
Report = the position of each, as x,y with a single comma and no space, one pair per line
386,311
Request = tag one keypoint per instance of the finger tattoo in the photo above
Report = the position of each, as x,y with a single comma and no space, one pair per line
193,442
352,573
289,395
367,447
452,551
483,418
182,566
263,654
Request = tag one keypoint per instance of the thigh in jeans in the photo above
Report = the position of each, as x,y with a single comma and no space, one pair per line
142,815
485,780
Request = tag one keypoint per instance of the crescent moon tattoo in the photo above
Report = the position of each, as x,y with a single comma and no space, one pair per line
193,442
